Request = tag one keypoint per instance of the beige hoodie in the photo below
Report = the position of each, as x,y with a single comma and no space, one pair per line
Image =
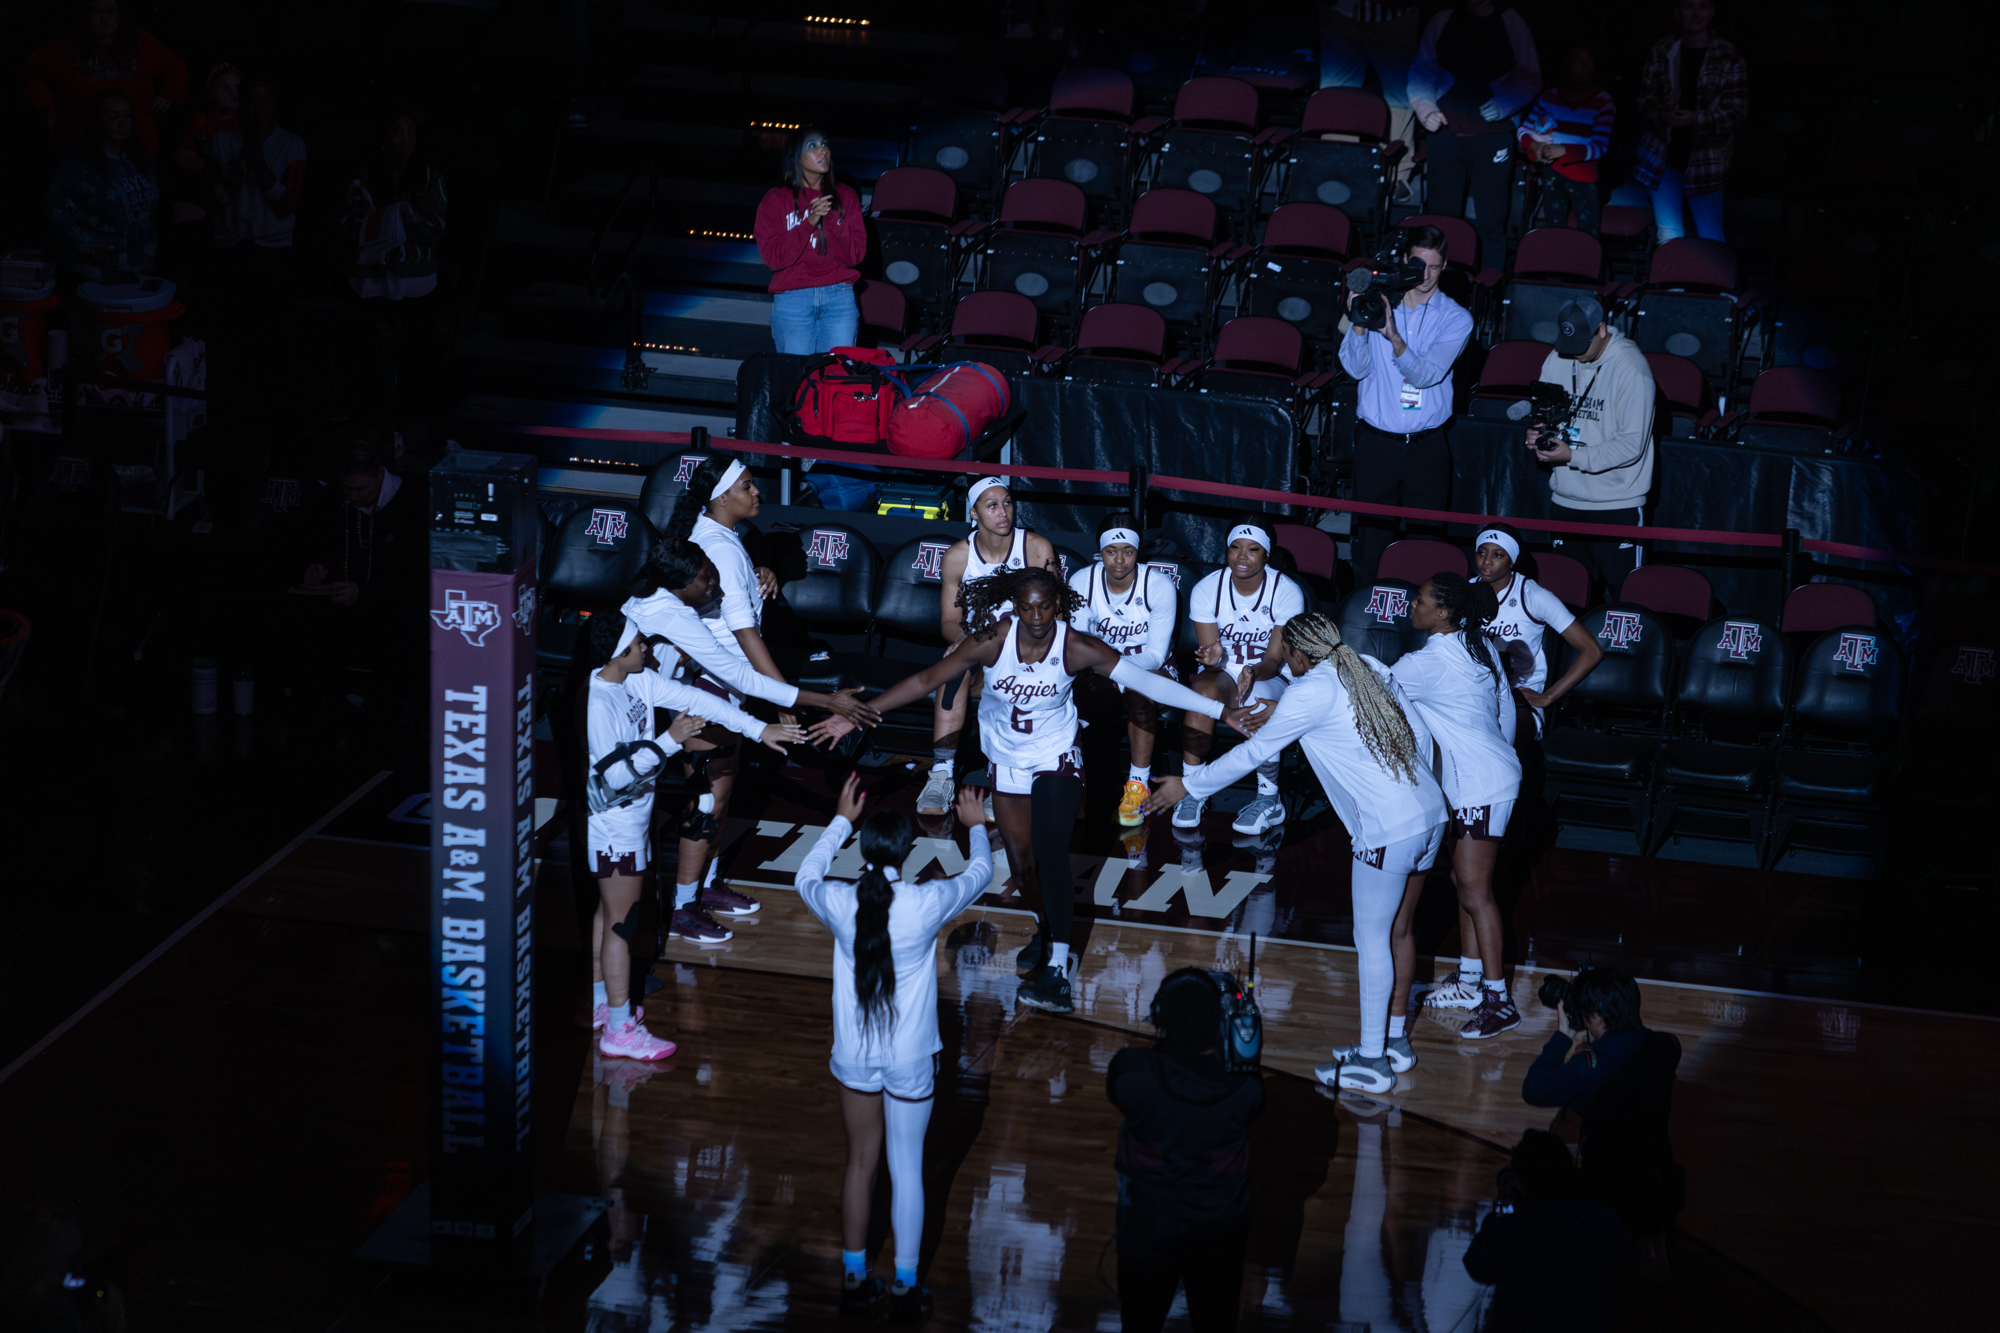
1611,458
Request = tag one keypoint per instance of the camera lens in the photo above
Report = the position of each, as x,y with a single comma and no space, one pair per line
1554,991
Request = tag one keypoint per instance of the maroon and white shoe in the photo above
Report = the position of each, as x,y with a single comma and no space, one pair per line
629,1041
602,1015
718,899
1496,1014
697,926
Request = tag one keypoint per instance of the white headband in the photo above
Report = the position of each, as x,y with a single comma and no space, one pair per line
979,488
1254,533
728,477
1110,535
625,639
1501,540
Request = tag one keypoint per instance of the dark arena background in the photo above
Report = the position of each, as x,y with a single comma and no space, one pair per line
247,694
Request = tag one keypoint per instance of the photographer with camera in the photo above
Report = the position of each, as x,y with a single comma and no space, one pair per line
1183,1162
1602,454
1549,1252
1619,1082
1401,351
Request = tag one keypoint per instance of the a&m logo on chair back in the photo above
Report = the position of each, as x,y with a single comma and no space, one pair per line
1857,652
1975,664
1741,638
1173,573
930,560
685,472
607,525
1621,630
1388,605
828,549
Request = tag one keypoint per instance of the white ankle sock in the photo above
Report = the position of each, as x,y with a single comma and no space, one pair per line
619,1017
1059,957
1134,773
714,869
684,895
1470,969
1497,988
1396,1022
597,995
1267,778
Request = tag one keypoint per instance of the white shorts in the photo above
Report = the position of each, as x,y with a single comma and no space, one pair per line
1406,857
618,838
605,862
1483,823
912,1082
1021,781
1272,689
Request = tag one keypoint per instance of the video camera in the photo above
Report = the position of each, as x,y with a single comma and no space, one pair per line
1548,408
1389,274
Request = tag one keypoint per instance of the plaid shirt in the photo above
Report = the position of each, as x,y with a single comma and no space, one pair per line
1721,100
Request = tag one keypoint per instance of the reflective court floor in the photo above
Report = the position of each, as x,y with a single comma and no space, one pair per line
231,1124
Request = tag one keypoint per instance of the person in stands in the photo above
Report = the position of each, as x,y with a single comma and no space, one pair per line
260,176
1476,66
1566,133
395,217
811,236
1696,92
104,202
103,54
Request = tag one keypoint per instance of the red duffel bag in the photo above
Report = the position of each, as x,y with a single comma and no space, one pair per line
845,396
948,411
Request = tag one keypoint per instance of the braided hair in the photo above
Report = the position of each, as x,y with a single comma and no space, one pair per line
694,497
1471,607
886,839
1377,716
979,600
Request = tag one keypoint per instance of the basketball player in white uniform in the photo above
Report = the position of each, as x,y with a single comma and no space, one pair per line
1455,684
1235,610
994,544
1527,609
1131,607
1028,726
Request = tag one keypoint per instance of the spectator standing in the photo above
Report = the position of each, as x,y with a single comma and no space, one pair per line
102,54
811,236
1476,66
1400,453
1354,34
1603,464
395,217
1696,94
193,186
104,202
1183,1164
260,172
1620,1085
1549,1252
1566,132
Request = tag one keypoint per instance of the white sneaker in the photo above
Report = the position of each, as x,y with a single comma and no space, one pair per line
1401,1055
1261,813
1187,811
937,796
1359,1073
1454,995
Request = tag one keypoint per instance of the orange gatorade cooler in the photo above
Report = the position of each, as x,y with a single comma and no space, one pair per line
24,372
126,329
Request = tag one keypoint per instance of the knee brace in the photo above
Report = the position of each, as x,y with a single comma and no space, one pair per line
625,929
700,821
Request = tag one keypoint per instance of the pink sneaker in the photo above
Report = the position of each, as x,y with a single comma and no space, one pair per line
719,900
602,1015
691,923
632,1042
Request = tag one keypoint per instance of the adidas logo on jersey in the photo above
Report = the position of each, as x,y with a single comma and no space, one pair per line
1388,605
930,560
1857,652
1975,664
1740,638
1621,630
828,549
607,525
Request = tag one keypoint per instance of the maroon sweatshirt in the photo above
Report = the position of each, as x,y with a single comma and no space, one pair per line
801,256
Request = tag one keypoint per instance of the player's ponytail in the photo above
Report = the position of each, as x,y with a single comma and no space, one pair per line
886,839
671,566
1377,715
1471,607
694,497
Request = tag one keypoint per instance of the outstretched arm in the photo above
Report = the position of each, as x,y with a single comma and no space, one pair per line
1092,654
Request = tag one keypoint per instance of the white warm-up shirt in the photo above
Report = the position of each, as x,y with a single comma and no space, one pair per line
620,713
1378,807
1526,609
916,915
1460,703
686,633
742,603
1138,622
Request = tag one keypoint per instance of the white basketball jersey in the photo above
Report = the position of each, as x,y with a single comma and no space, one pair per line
1027,712
1121,619
1245,626
1016,558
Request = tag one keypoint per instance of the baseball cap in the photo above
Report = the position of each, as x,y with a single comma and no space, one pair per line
1576,325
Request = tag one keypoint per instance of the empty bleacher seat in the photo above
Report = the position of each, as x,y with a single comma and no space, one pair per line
1684,393
1552,267
1117,342
1715,774
1035,247
1001,329
913,211
1690,306
1792,409
1298,272
1168,257
1085,136
1342,156
1212,146
1564,575
1815,608
1833,778
1598,759
1669,590
1419,559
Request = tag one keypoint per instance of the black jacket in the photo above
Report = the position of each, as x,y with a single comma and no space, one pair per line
1622,1087
1552,1263
1184,1149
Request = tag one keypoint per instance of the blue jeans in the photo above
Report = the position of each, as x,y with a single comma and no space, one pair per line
808,320
1667,196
